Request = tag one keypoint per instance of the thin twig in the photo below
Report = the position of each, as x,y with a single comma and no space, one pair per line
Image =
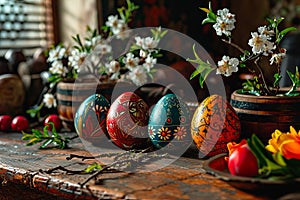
49,171
71,156
92,157
262,75
234,45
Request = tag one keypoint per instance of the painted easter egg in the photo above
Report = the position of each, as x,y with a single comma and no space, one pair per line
90,118
127,122
213,125
169,123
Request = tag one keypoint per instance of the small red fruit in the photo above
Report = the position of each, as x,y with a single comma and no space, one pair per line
19,123
55,120
242,162
5,122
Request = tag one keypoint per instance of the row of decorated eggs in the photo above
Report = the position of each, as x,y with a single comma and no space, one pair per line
170,125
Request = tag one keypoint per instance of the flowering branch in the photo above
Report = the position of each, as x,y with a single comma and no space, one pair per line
264,43
93,55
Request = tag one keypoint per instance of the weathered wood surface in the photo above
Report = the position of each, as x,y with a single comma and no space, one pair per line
21,179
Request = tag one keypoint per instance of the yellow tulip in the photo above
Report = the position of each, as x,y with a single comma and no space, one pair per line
288,144
273,144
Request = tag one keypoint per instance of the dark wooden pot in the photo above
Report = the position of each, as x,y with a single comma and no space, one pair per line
262,115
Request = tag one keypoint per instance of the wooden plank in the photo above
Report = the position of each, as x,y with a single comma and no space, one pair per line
184,179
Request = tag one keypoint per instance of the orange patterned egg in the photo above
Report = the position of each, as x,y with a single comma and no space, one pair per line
214,124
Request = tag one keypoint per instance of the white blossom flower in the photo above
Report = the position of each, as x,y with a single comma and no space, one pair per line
263,30
143,53
56,53
138,76
139,41
113,66
49,100
225,22
260,44
149,43
76,58
277,58
122,31
130,61
112,21
57,67
149,63
103,48
227,65
95,40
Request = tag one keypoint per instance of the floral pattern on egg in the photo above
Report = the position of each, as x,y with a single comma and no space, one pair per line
127,122
90,118
169,123
214,124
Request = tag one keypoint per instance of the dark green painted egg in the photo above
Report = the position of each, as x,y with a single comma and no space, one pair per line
90,118
169,123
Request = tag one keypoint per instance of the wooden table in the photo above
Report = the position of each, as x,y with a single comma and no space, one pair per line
21,177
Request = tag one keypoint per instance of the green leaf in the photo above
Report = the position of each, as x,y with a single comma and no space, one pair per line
35,112
283,33
205,74
242,65
267,165
260,159
91,168
205,10
208,20
62,145
46,143
27,136
277,79
200,69
279,159
33,141
203,69
211,16
37,133
45,131
295,78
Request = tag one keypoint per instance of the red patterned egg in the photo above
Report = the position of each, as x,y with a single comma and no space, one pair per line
127,122
214,124
90,118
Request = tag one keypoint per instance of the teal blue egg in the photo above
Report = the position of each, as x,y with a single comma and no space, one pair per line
169,123
90,118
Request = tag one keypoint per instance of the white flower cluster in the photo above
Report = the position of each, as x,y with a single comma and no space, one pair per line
118,26
260,42
227,65
56,58
138,66
225,22
77,56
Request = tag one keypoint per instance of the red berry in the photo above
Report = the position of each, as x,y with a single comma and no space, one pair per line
55,120
5,122
19,123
